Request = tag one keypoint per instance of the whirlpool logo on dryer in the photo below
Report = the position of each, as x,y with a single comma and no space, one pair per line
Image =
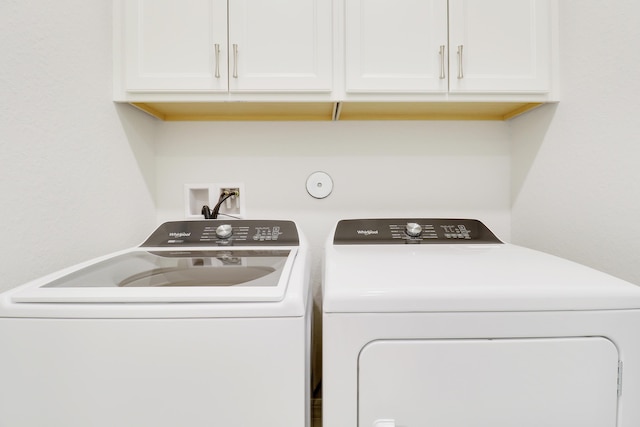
367,232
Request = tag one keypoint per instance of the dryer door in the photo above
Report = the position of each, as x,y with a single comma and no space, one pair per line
551,382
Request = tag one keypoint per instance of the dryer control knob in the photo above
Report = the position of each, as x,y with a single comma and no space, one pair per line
224,231
413,229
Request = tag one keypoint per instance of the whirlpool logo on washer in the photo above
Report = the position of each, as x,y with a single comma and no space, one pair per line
367,232
177,235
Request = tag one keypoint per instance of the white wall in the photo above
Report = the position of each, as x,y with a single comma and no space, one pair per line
576,166
76,171
458,169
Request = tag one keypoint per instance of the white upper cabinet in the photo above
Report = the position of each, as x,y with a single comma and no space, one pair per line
175,45
335,59
396,45
459,46
499,45
283,45
214,46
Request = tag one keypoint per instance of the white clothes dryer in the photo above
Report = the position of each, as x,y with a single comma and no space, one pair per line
207,323
436,322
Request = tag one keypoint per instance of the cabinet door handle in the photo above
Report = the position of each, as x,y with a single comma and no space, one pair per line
235,61
217,50
442,75
460,71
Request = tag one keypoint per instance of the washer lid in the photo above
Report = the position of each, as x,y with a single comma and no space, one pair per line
458,277
170,275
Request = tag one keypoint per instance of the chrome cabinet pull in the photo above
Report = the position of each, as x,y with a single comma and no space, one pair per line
460,71
217,50
235,61
442,76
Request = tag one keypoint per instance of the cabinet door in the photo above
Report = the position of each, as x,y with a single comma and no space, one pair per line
280,45
504,45
170,45
395,46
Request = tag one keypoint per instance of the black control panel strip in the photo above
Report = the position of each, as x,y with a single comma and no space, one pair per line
412,230
224,233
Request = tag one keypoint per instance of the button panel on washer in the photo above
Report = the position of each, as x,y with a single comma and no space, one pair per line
225,233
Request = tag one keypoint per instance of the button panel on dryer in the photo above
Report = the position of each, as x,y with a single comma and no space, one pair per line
412,230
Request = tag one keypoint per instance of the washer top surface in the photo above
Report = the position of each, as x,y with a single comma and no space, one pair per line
455,265
182,265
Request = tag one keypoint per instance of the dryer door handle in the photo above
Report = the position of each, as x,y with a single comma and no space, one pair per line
384,423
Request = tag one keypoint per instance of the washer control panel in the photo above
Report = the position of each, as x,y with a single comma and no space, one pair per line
412,230
224,233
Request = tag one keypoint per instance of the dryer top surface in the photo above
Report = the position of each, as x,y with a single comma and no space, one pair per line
465,277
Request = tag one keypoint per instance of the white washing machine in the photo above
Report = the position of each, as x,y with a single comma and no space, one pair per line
435,322
207,323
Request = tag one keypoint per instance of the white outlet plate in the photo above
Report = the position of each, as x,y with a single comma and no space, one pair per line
319,185
198,195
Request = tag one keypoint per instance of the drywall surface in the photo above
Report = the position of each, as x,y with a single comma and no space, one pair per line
576,167
379,169
77,172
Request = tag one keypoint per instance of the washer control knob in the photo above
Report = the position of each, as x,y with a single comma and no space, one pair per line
413,229
224,231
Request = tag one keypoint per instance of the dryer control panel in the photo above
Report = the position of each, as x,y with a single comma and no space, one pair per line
412,230
224,233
